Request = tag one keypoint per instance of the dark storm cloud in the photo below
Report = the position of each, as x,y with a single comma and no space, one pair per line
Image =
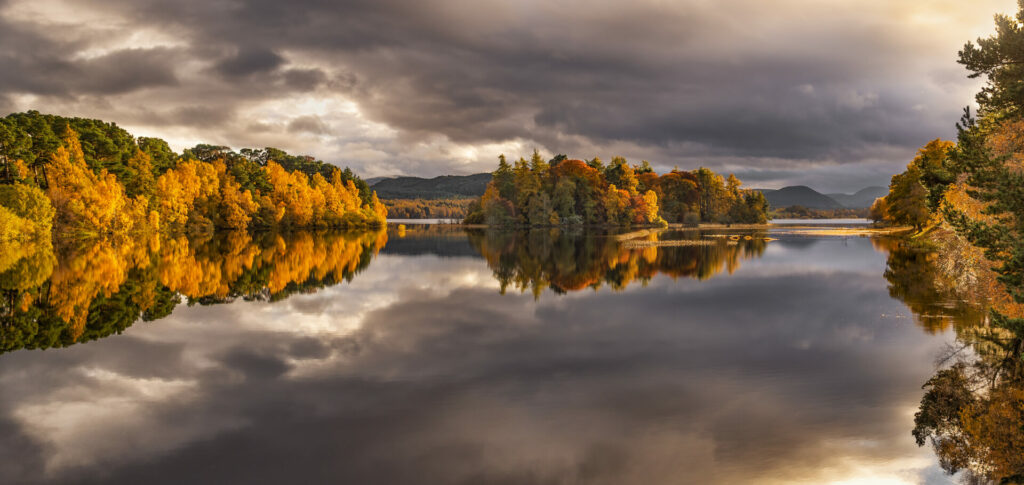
125,71
249,60
33,62
304,79
743,82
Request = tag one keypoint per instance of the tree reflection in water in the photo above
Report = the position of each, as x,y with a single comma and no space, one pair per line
88,290
567,261
83,291
972,412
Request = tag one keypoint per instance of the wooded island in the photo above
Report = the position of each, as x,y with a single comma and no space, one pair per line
566,191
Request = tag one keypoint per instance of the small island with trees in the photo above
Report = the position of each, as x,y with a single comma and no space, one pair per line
564,191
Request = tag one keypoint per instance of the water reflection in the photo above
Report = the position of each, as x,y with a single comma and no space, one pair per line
972,412
794,364
914,279
567,261
101,287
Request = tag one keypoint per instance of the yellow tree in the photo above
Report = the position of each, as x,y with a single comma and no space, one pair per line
235,207
141,182
185,194
86,202
879,211
330,211
291,194
651,206
378,210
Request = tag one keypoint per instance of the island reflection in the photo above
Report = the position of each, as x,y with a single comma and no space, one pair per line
567,260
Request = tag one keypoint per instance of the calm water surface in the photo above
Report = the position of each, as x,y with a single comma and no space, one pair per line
447,356
828,222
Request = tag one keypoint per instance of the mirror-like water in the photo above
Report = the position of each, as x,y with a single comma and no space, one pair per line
440,355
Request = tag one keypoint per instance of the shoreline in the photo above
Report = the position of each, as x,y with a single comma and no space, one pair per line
848,229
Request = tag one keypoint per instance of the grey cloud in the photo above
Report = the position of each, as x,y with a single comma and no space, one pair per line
31,61
127,70
199,115
307,124
248,61
739,83
304,79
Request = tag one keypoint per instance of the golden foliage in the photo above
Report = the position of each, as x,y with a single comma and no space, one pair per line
181,190
236,206
86,202
292,195
1007,139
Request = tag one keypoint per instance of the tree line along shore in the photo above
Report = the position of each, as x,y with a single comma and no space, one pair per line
82,177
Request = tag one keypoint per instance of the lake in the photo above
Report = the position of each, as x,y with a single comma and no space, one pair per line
439,355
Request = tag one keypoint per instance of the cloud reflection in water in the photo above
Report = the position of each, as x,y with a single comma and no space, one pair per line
419,371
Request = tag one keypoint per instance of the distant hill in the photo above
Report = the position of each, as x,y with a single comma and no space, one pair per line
443,187
469,186
799,195
373,180
862,199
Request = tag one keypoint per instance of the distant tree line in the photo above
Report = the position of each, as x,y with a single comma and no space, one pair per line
801,212
97,179
428,209
563,191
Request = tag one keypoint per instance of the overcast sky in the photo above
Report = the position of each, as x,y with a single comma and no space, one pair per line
833,94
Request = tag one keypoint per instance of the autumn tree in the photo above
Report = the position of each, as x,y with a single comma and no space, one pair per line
677,194
620,174
87,202
879,211
162,158
504,179
988,154
936,171
25,213
712,195
141,181
908,199
235,206
186,195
